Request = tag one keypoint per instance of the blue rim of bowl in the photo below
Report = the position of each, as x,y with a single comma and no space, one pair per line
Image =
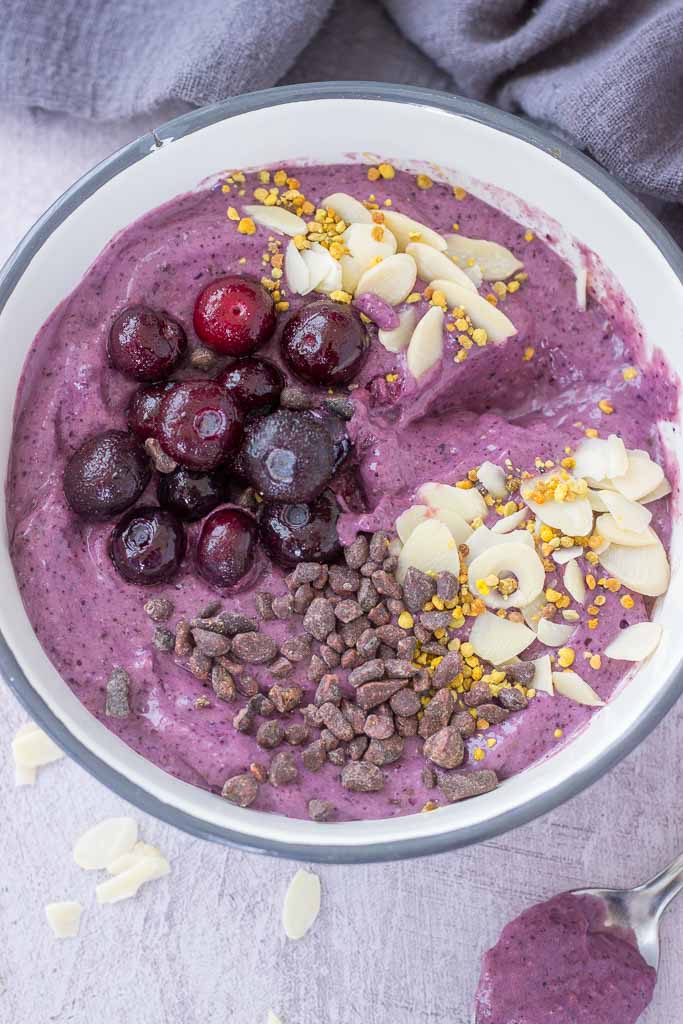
142,147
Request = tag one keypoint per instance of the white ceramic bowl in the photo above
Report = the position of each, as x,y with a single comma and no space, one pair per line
330,123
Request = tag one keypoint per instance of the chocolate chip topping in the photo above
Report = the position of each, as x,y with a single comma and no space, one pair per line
117,694
321,810
445,747
241,789
254,648
463,785
283,769
362,777
159,609
319,619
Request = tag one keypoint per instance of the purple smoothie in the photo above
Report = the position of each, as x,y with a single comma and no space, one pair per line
496,405
559,962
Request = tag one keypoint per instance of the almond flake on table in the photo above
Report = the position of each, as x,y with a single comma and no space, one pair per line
273,1018
32,749
126,884
105,842
301,905
64,918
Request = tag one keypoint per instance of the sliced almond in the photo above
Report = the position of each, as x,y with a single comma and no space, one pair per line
350,209
660,491
297,273
433,264
352,271
643,570
581,288
482,313
317,265
426,344
493,479
368,242
598,459
332,279
408,520
553,634
497,640
302,904
431,547
607,528
398,339
509,523
573,518
276,218
570,684
126,884
482,539
104,842
64,918
467,501
393,279
495,261
407,230
413,516
543,676
474,273
641,477
273,1018
595,500
635,643
128,860
518,560
563,555
33,748
24,776
574,583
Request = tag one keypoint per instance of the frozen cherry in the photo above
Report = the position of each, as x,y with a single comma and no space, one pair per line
288,456
190,495
255,384
325,342
301,533
199,424
144,407
234,315
147,545
226,549
144,344
106,475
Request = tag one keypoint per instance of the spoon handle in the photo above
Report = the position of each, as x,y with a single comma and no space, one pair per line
664,886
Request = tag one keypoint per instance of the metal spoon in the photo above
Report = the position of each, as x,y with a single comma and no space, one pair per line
639,909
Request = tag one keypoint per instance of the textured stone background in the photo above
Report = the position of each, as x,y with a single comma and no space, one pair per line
394,943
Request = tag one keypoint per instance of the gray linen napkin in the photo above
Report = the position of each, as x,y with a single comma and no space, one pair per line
607,74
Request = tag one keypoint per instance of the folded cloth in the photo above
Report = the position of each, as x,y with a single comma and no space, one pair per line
607,74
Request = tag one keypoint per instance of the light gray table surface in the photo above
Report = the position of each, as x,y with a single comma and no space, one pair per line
394,943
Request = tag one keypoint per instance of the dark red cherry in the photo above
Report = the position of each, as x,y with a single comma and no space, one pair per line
144,344
301,533
191,495
226,549
255,384
147,545
106,475
234,315
288,456
325,342
144,407
199,424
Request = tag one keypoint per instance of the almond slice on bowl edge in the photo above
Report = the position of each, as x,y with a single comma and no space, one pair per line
301,905
397,340
392,279
433,264
570,684
467,501
368,242
554,634
518,560
606,527
277,219
431,547
640,478
495,262
635,643
497,640
407,230
645,570
482,314
350,209
510,523
425,348
574,583
64,918
482,539
104,842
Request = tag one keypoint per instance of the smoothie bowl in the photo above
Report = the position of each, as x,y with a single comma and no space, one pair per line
341,488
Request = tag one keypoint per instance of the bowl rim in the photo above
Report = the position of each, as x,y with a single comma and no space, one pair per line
187,124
